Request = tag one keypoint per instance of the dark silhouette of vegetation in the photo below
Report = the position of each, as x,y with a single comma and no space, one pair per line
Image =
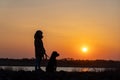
62,63
88,63
61,75
37,75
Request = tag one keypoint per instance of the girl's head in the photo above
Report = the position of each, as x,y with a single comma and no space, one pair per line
38,34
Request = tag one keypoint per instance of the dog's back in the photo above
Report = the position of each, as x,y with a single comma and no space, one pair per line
52,63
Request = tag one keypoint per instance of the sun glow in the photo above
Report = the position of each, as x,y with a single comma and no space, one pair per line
84,49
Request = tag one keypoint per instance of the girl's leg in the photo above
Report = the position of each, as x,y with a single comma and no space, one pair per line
36,64
39,63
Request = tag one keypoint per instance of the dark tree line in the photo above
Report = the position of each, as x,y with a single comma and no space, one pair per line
67,62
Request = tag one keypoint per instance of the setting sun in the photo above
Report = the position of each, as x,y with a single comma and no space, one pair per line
84,49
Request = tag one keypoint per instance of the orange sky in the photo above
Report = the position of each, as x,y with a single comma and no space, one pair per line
68,25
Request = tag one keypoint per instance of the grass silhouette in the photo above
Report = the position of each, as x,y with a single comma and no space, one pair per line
61,75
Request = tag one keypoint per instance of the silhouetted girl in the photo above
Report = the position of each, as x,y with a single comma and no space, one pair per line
39,49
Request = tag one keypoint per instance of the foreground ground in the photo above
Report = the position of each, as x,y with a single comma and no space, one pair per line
39,75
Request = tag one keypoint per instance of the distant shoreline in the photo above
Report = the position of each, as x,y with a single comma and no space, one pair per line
57,66
63,63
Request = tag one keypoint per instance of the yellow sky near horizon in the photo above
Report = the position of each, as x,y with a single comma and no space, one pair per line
68,25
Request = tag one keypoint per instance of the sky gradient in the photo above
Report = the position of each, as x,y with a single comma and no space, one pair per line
68,25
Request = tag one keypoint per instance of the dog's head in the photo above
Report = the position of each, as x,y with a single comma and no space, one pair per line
55,54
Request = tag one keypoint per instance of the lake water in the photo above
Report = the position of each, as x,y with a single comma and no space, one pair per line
68,69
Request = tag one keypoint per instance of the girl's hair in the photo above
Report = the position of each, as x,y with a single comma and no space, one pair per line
38,34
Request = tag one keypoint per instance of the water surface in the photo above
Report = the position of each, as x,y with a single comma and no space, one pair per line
68,69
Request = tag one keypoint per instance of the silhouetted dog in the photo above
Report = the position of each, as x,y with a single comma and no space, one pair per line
52,63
